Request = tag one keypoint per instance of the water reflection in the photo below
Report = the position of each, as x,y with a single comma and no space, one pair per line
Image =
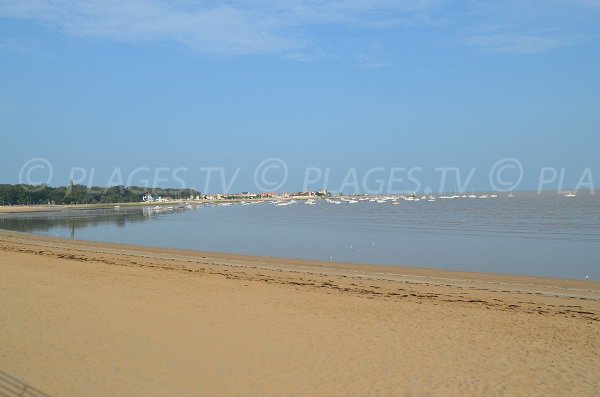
545,235
77,219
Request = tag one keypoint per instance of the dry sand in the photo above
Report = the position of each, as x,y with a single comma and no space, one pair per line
90,319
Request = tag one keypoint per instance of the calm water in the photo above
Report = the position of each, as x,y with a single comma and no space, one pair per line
545,234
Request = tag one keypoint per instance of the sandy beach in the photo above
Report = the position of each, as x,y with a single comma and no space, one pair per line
91,319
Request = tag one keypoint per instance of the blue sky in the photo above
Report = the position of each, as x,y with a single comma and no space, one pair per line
338,84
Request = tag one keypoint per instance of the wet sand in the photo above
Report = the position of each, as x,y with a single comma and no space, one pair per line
11,209
93,319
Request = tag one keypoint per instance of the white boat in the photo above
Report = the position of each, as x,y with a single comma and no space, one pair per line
570,194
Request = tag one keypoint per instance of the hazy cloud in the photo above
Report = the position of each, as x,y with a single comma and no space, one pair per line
518,43
246,27
293,29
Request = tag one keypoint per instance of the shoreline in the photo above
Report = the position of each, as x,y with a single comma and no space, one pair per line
367,268
420,276
164,321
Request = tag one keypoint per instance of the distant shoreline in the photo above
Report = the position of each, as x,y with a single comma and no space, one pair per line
24,208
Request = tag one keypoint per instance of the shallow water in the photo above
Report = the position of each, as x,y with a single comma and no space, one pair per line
548,234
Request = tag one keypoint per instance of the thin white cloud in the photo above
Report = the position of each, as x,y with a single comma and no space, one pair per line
518,42
236,28
528,27
218,29
299,29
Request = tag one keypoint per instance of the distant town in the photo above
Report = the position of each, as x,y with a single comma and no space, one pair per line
73,194
156,198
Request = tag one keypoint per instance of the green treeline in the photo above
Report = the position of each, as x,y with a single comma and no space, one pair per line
80,194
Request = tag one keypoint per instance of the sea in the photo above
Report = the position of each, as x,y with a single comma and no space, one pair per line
544,234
